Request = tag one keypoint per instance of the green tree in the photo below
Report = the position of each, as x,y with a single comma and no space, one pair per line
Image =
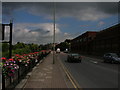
19,45
5,50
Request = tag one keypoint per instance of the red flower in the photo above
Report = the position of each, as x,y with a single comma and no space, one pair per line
43,51
17,55
36,52
25,54
11,59
31,53
3,58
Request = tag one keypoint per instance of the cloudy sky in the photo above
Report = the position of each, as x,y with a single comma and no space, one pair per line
33,21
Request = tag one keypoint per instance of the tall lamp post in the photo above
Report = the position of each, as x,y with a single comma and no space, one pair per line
54,32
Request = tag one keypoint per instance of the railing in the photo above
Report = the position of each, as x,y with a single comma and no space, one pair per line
20,73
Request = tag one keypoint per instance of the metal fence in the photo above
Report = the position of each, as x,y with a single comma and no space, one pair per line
11,82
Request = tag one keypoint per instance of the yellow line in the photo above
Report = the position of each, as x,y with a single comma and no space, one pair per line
73,81
69,77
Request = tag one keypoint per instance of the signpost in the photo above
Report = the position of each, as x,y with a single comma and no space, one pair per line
10,47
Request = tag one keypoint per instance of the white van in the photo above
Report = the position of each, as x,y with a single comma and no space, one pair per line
58,50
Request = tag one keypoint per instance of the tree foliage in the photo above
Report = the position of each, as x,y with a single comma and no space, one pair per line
19,48
63,46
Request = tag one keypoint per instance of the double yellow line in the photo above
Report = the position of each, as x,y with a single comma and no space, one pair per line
73,81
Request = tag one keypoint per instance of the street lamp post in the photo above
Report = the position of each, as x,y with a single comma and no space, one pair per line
54,33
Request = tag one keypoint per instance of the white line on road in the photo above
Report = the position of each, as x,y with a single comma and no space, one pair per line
93,61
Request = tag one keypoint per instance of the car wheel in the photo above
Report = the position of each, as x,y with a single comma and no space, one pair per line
112,61
70,60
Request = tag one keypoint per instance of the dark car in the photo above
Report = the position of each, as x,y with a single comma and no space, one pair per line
111,58
74,57
65,51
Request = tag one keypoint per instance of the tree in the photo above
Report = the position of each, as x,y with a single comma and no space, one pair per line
19,45
62,46
5,47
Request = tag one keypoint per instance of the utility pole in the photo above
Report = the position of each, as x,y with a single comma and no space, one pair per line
54,32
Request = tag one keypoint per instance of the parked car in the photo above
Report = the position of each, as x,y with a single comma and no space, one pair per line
74,57
111,58
118,54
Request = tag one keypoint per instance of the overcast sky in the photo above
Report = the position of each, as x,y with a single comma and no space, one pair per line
33,21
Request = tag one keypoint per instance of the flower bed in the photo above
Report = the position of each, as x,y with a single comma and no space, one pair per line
21,64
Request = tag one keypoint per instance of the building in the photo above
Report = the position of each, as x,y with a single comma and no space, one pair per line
107,40
98,43
82,43
67,40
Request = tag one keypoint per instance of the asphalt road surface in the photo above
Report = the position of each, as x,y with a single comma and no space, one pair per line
92,73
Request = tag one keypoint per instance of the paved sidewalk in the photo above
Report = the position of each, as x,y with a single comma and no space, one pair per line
48,75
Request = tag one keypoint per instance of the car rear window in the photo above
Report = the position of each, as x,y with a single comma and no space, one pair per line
75,54
114,55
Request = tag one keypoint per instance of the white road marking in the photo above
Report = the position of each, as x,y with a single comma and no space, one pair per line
93,61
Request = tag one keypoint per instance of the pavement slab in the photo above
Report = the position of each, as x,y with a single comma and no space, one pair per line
47,75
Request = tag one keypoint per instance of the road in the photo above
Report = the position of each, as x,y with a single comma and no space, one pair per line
92,73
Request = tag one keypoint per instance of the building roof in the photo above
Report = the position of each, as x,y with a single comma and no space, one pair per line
88,32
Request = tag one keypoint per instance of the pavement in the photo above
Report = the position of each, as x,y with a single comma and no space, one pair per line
46,75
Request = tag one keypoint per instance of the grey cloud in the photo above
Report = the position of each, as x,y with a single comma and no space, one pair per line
80,10
31,7
107,7
87,10
43,33
39,30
